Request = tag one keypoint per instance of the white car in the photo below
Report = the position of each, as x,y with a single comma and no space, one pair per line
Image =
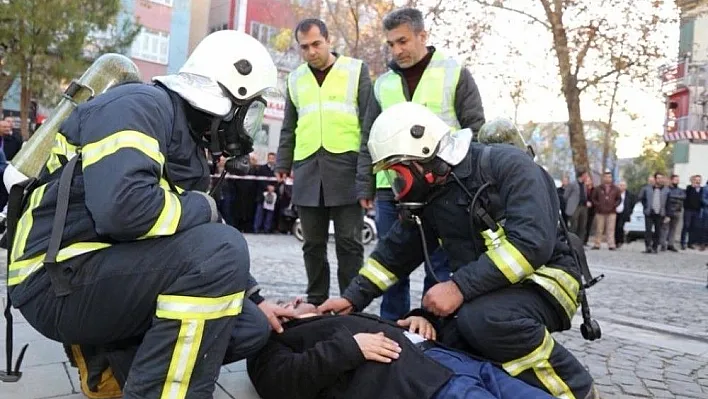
368,233
634,228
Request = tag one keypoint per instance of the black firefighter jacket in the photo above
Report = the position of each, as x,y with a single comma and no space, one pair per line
117,196
527,246
318,358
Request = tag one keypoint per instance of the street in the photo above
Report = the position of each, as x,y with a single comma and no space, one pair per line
652,309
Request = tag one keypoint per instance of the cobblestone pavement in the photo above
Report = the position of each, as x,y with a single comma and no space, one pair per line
652,309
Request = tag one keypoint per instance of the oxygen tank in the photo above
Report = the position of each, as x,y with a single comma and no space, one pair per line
503,131
107,71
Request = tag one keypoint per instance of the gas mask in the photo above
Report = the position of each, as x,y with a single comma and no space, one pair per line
414,183
234,138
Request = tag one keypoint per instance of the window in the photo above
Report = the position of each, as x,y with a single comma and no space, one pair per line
262,32
223,26
163,2
686,29
151,45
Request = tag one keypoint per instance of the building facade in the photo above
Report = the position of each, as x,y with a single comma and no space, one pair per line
685,87
163,44
265,20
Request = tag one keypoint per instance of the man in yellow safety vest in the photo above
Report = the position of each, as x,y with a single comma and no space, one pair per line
423,75
320,139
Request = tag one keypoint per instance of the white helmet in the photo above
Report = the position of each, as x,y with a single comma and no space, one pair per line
411,132
228,58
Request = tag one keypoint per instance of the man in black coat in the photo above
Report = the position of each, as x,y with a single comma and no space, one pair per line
624,212
360,355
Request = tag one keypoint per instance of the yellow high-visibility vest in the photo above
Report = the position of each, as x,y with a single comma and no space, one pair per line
436,91
327,115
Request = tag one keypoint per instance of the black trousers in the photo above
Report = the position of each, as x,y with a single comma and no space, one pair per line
619,229
181,294
512,327
652,238
348,224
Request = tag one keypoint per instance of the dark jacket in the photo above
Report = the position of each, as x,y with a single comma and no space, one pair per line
629,201
332,174
605,199
677,196
646,196
319,358
523,199
468,107
693,198
118,193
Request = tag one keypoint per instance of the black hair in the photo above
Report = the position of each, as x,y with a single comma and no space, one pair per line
306,24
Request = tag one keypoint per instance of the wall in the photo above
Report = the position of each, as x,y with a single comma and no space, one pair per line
219,11
179,34
198,23
697,163
276,13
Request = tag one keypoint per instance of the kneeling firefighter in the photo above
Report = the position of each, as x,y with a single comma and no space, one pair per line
496,213
120,254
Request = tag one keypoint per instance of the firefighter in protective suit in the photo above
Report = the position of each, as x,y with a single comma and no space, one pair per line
141,264
514,281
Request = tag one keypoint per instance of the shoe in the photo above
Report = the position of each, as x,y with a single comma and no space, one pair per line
683,247
690,246
654,251
647,251
663,249
672,249
595,247
612,248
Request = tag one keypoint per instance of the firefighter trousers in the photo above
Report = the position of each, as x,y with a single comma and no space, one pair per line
512,327
180,293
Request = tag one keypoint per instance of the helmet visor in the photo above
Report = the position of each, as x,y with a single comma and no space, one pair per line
401,179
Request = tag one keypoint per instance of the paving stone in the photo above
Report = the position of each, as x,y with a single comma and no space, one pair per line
628,362
42,381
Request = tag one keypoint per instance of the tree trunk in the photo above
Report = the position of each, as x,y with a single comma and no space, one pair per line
569,81
24,104
576,132
608,132
5,84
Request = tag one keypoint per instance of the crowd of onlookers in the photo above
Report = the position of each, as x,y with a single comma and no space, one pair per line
256,202
673,216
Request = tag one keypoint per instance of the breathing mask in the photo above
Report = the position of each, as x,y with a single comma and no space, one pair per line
413,183
233,138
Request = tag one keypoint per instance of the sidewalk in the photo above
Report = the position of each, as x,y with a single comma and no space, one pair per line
48,374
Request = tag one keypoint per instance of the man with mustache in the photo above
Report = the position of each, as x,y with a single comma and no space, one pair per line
423,75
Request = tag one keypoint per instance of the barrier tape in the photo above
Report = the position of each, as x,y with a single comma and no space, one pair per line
288,181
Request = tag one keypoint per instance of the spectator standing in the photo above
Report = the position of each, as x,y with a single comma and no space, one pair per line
605,199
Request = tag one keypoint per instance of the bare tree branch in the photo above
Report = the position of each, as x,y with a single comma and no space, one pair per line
592,33
599,78
524,13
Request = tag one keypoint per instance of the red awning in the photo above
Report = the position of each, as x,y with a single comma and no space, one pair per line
686,135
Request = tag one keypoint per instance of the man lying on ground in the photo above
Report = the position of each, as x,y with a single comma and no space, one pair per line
361,355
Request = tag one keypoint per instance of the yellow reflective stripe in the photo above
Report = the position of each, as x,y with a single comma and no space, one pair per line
179,307
94,152
537,360
61,147
378,274
541,353
184,356
164,184
168,220
569,284
24,226
193,313
569,304
505,256
551,380
18,271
